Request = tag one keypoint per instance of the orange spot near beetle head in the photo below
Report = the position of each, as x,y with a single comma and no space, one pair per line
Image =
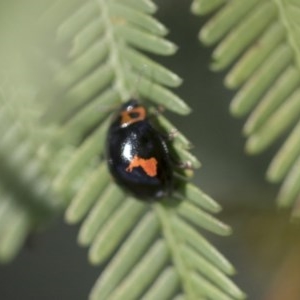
132,115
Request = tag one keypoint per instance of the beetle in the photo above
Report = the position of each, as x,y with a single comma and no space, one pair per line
138,154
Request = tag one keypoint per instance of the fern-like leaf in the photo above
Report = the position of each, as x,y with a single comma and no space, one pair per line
154,251
261,40
26,197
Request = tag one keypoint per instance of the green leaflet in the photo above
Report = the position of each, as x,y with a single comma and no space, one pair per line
15,224
261,40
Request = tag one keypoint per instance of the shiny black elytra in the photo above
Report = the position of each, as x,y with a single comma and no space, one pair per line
137,154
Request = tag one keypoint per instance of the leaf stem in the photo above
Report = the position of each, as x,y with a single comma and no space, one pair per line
114,56
165,216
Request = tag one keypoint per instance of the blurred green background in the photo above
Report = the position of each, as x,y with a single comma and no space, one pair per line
52,266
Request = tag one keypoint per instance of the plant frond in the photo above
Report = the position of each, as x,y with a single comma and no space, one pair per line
26,197
155,249
261,40
144,245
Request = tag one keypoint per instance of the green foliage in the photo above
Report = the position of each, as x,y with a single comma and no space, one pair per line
26,197
53,142
153,250
261,40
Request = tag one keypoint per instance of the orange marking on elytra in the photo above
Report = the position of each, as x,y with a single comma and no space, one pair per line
149,165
